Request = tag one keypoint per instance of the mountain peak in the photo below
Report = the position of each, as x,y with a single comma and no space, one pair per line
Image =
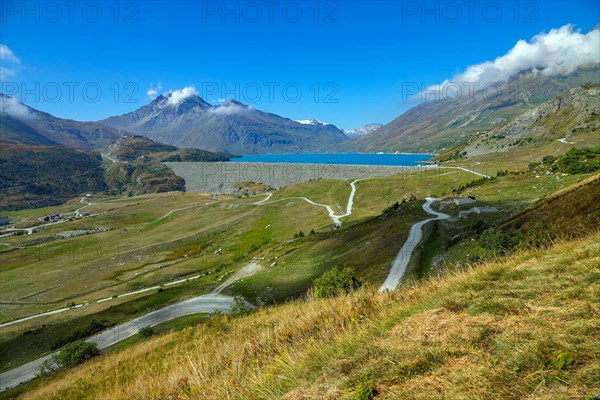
363,130
312,121
233,102
186,98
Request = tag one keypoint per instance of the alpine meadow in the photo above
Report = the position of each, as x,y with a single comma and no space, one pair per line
300,200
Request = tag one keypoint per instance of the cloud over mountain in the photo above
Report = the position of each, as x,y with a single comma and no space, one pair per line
557,52
14,108
9,62
177,96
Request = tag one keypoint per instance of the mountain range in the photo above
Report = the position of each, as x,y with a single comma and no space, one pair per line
189,121
183,119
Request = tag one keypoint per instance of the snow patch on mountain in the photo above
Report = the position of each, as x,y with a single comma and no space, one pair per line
362,130
312,121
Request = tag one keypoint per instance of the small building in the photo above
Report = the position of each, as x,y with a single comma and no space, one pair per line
476,210
459,202
3,221
480,210
88,195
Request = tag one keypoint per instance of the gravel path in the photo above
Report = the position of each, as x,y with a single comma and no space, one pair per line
334,217
404,255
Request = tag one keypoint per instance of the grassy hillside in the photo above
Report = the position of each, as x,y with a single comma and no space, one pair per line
142,241
137,165
563,212
134,148
42,176
521,327
569,213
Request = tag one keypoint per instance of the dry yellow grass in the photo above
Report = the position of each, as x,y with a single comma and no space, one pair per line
525,327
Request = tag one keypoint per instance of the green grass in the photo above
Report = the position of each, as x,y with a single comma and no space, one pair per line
523,326
433,244
363,246
17,349
140,252
174,325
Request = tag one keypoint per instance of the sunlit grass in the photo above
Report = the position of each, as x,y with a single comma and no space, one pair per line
514,327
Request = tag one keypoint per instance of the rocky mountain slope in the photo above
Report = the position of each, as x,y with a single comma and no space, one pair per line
569,117
440,124
189,121
21,124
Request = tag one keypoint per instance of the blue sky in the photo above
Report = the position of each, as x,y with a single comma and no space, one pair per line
348,64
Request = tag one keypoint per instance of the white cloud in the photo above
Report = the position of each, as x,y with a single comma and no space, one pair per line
558,52
6,54
14,108
153,92
177,96
9,62
6,72
228,109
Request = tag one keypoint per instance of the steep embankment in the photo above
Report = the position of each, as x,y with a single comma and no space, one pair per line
569,213
523,326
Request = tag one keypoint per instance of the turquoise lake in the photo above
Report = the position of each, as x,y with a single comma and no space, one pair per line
346,158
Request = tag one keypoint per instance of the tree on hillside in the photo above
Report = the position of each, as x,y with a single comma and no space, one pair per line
335,282
76,353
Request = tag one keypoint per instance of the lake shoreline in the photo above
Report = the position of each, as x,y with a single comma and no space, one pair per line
368,159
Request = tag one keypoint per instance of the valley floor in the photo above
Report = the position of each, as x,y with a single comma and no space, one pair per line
143,253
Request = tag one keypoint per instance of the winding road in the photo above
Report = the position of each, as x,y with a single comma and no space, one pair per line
78,211
207,303
403,257
29,231
334,217
215,301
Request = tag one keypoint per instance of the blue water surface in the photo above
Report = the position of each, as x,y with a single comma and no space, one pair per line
346,158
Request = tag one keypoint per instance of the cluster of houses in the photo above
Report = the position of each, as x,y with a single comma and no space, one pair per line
56,217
